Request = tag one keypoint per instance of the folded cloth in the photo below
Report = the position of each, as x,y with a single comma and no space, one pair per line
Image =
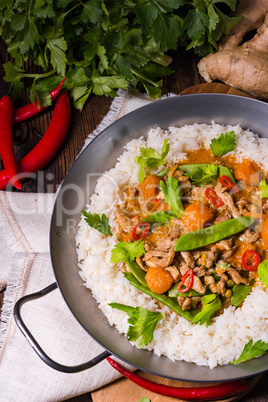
25,268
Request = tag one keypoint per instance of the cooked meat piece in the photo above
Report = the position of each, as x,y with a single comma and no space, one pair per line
160,196
179,175
228,253
265,207
249,236
242,205
216,287
199,194
227,200
184,302
198,285
165,244
139,261
198,271
209,257
224,244
155,258
188,258
132,195
124,221
197,255
175,232
237,278
148,246
179,223
223,218
175,273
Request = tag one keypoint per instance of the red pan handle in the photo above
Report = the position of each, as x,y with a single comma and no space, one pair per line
36,346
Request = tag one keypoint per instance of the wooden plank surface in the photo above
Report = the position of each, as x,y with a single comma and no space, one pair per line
184,80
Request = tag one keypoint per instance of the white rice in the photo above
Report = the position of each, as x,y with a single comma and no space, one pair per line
222,341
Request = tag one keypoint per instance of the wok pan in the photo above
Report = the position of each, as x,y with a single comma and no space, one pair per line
99,156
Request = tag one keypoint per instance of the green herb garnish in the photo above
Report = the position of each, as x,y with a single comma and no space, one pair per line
211,304
150,159
251,350
264,189
142,323
158,217
223,265
99,223
200,174
223,144
124,251
263,272
173,192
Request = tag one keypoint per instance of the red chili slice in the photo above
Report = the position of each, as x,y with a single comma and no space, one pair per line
188,274
144,231
251,260
214,198
226,182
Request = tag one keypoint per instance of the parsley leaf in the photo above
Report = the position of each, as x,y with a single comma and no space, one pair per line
173,192
223,265
200,174
124,251
211,304
223,144
99,223
159,217
251,350
150,159
263,272
142,323
264,189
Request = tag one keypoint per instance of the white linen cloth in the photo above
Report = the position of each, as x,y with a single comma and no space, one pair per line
25,268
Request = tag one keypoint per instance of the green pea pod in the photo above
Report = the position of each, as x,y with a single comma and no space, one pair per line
173,292
225,171
168,301
138,272
213,234
240,292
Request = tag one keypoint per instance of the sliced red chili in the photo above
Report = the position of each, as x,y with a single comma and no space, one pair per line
189,277
227,182
251,260
214,198
144,226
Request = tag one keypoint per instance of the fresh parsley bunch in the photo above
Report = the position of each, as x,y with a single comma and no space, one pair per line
102,45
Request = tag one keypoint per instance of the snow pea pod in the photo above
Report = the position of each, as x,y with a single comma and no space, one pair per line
137,272
213,234
168,301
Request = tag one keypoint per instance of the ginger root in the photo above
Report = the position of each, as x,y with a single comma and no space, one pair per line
242,65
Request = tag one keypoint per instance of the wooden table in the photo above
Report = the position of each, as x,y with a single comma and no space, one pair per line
83,123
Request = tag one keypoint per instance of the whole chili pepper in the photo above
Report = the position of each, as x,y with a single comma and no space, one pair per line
30,110
143,232
6,145
212,234
213,392
214,198
188,275
49,144
227,182
251,260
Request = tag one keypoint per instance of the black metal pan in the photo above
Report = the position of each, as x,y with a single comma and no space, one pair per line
99,156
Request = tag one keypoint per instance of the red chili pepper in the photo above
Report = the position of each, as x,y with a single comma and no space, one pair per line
226,182
6,145
30,110
49,144
213,392
251,260
188,274
214,198
144,231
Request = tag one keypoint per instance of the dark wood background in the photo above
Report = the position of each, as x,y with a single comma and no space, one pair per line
27,134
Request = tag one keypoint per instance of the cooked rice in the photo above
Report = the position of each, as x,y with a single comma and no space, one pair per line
177,338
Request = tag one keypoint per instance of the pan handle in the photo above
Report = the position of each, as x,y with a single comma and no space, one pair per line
36,346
